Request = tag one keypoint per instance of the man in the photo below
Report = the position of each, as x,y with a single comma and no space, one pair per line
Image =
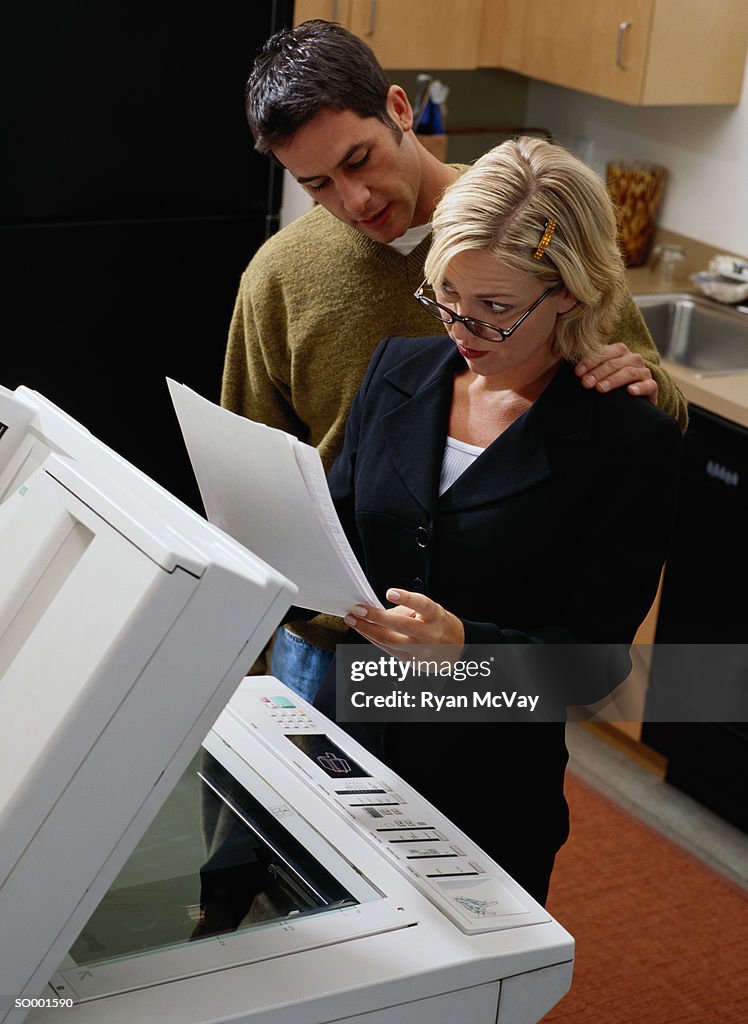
320,294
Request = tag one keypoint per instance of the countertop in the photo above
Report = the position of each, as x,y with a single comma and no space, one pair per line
725,395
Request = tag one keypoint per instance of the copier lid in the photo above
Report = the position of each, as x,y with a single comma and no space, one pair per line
121,640
32,428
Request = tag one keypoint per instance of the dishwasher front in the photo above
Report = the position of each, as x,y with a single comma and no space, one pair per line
700,654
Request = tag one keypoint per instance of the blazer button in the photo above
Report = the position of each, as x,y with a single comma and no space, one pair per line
423,537
417,584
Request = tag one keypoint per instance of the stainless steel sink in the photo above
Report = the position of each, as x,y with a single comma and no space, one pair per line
696,332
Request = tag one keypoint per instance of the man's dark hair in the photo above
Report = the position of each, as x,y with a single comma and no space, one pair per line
302,71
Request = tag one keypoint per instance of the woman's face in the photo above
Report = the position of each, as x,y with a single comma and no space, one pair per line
477,285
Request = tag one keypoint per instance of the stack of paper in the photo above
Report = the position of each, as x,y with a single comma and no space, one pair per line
268,490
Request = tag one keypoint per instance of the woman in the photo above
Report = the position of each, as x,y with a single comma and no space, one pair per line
489,498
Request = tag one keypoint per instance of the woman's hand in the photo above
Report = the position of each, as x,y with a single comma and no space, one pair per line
414,624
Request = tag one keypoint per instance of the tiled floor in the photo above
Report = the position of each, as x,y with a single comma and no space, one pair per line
640,791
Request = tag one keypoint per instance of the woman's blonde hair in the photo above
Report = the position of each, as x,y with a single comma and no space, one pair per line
504,203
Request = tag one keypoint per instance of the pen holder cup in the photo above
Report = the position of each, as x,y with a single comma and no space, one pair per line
636,190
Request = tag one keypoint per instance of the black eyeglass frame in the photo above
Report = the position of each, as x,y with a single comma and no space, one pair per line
468,321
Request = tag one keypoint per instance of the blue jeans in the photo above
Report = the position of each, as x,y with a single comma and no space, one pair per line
298,663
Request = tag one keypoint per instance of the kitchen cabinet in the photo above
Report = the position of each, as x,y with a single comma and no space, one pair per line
641,52
328,10
407,34
622,715
639,680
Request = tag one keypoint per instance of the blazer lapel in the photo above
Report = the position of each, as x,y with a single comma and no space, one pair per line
415,430
518,458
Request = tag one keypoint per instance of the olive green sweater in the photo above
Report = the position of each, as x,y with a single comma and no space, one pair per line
311,308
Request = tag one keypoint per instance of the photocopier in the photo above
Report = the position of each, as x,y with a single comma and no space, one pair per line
180,841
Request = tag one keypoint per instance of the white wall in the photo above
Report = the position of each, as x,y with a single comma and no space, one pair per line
705,150
296,200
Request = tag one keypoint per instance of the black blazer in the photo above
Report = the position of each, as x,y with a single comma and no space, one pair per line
556,533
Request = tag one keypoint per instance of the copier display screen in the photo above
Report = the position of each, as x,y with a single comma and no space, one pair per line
215,860
330,758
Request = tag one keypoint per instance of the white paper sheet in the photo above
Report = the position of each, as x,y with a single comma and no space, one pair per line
268,490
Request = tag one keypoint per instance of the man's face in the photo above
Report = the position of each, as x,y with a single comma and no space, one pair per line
358,170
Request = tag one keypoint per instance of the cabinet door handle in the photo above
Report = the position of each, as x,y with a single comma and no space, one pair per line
622,30
372,17
335,16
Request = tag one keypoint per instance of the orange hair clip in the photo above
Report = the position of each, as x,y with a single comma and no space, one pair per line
550,227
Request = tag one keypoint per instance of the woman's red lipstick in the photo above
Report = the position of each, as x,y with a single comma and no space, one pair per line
472,353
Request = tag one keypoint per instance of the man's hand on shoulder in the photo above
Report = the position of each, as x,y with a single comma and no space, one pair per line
619,367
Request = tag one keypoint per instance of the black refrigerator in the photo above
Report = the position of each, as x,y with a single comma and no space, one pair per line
130,201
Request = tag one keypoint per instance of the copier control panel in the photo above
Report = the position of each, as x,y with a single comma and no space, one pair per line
444,864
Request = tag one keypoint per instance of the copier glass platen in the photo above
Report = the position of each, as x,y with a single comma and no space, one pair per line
292,878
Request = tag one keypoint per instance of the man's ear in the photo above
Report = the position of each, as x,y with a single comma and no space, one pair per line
399,108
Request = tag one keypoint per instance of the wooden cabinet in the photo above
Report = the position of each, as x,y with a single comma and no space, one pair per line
644,52
622,713
418,35
328,10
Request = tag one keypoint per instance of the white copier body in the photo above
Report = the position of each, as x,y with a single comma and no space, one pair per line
126,624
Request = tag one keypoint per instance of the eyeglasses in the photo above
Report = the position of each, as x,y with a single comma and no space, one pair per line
489,332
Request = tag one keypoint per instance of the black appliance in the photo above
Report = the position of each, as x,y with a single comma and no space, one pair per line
131,199
705,602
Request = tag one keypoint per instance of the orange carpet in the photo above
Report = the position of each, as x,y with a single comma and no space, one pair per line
660,938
